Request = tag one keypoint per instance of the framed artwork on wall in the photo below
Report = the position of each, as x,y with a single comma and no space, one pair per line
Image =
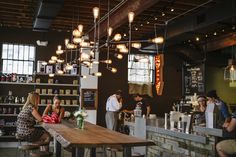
89,98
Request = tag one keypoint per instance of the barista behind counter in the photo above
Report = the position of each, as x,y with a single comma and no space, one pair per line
139,101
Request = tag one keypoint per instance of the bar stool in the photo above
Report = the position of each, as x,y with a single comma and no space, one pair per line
26,148
40,154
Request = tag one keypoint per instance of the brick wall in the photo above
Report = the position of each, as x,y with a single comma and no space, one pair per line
168,146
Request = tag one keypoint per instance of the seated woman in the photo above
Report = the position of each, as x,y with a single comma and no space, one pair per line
227,147
27,119
55,108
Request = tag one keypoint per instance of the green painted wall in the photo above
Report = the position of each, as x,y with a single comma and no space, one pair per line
215,80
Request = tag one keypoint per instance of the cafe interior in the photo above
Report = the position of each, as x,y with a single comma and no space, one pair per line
169,52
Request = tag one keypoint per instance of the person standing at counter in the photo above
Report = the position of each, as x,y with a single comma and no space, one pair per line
213,98
139,101
227,147
113,106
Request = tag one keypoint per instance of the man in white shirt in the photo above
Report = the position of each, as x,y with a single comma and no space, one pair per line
113,105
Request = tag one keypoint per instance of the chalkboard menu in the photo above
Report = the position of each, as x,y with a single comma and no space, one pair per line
193,79
89,98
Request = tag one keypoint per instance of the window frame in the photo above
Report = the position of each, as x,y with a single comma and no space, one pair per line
23,60
152,69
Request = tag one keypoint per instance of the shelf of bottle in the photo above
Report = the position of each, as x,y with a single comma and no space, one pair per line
7,104
39,84
64,95
67,75
7,136
8,115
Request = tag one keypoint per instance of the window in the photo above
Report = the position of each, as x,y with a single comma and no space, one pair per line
18,58
140,68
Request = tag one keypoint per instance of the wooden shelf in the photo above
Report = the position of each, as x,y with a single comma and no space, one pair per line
8,115
67,75
7,126
11,104
61,105
39,84
69,95
7,136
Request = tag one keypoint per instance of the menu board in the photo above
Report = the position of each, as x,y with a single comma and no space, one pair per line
193,79
89,98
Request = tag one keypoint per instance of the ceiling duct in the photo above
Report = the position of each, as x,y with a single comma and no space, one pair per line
46,12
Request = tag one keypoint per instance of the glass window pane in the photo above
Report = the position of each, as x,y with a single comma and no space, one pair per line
10,51
4,67
30,68
31,53
25,69
21,52
26,52
9,66
15,66
4,51
16,50
20,67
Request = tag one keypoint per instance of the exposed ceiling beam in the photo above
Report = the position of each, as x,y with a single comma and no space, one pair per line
221,42
220,12
120,16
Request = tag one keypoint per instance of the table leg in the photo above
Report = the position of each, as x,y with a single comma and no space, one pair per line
77,152
93,152
127,152
58,149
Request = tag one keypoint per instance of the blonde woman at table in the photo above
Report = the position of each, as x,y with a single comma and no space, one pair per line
26,121
55,108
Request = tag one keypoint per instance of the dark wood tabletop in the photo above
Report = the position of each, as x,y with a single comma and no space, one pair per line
91,136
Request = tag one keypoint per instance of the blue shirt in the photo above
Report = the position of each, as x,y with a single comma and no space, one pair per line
224,111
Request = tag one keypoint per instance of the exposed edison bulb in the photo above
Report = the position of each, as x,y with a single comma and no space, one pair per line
77,40
44,63
51,61
80,28
54,58
124,50
60,72
85,56
84,76
113,70
95,62
59,50
71,46
84,44
117,37
69,67
131,17
158,40
95,12
108,61
51,75
76,33
109,31
98,74
60,61
136,45
119,56
120,46
66,41
232,68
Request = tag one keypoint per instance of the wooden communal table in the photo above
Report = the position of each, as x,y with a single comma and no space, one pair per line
92,136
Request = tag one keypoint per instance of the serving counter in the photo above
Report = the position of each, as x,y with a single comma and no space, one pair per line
174,143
